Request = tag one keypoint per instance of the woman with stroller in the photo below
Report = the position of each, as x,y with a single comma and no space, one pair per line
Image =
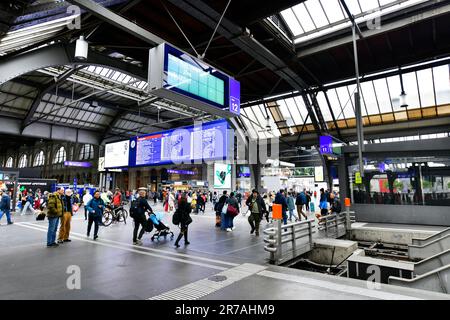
184,209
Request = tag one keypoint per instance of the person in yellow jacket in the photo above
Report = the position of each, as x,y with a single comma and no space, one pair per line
54,212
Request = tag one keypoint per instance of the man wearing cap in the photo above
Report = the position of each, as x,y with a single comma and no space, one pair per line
55,211
5,205
66,218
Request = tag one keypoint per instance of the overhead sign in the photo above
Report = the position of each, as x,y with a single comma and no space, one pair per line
117,154
206,142
182,78
222,176
330,146
187,172
80,164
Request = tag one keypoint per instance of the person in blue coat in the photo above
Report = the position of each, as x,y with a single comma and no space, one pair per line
95,207
5,205
280,198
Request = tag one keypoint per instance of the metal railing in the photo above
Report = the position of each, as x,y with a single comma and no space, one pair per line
439,235
335,225
286,242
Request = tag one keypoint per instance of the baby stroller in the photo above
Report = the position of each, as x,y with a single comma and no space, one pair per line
155,220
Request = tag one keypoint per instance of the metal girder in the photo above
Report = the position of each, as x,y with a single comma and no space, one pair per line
332,116
118,21
44,90
430,11
60,55
321,121
308,106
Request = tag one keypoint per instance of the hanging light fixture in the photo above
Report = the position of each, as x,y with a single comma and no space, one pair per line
403,102
81,49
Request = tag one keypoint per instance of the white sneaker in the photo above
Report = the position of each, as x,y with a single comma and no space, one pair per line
229,230
233,228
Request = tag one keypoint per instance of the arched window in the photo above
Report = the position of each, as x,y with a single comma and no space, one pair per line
86,152
60,156
9,163
39,160
23,161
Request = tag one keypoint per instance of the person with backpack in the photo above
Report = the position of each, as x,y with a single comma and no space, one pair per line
55,211
281,199
291,207
323,204
257,208
137,211
182,219
5,205
300,202
95,207
232,211
220,216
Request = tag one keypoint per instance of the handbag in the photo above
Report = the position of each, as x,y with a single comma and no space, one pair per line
232,211
75,207
41,216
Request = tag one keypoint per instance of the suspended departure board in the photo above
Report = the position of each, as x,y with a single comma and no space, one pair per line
182,78
206,142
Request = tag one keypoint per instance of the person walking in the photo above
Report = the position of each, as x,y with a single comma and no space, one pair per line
95,207
5,205
86,198
219,210
232,211
308,200
55,211
29,204
291,207
257,208
300,202
281,199
138,216
323,204
183,212
66,218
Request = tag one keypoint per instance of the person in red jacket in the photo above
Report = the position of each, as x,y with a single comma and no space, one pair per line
117,198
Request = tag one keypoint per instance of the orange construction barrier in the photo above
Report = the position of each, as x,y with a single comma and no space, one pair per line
347,202
277,211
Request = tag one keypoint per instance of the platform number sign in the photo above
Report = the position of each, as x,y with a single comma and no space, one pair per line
235,96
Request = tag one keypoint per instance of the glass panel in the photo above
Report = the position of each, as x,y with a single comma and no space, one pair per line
369,98
382,93
296,116
425,79
292,21
317,13
333,10
302,108
335,105
353,6
442,84
367,5
303,16
410,86
346,102
324,106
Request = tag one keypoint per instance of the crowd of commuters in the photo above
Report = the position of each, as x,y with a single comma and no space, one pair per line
60,206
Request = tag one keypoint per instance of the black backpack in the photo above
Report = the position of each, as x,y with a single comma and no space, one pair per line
134,208
176,218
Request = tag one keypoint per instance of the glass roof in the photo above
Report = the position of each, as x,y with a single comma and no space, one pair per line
314,18
428,96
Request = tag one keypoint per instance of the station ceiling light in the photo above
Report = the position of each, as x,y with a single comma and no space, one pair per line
81,49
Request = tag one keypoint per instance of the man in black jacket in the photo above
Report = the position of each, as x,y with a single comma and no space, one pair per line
139,217
257,208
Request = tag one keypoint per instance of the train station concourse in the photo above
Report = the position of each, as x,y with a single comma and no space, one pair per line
225,150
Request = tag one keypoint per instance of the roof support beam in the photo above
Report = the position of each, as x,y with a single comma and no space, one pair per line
118,21
44,90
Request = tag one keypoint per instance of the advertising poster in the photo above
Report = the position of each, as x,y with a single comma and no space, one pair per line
117,154
318,174
222,176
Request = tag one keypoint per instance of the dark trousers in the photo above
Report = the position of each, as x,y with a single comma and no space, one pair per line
254,219
183,232
92,220
139,221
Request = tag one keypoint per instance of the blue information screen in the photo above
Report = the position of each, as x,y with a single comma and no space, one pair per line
208,141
